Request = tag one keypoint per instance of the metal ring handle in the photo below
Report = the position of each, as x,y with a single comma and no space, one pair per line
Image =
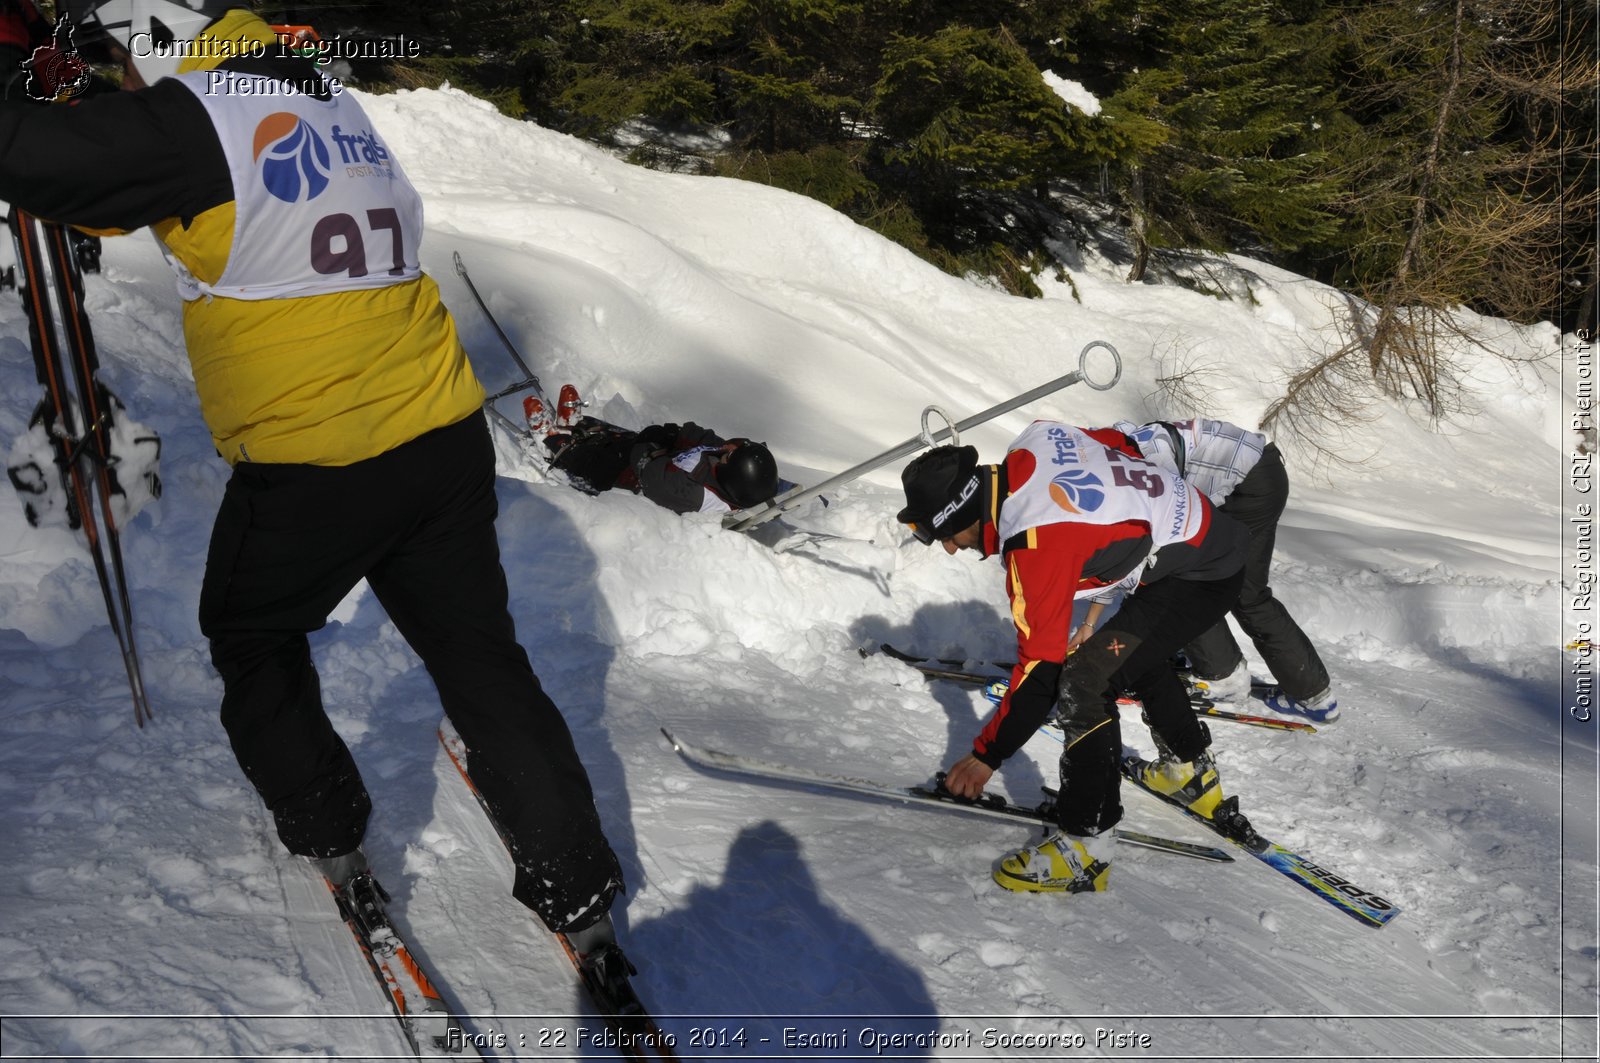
1083,365
927,433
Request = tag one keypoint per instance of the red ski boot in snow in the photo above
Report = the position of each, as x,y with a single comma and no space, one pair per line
567,406
538,416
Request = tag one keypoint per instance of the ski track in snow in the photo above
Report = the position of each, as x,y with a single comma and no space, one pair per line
148,910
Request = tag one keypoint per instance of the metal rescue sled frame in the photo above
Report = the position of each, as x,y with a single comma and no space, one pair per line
745,521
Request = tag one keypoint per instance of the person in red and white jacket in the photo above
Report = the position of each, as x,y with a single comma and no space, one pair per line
1071,515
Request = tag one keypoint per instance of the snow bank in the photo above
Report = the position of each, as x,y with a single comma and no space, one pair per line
1426,569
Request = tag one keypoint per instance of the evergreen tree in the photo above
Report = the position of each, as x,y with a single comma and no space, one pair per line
653,59
965,111
774,73
785,90
1213,104
493,48
1468,182
1453,164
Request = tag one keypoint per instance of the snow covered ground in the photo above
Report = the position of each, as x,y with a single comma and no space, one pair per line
146,908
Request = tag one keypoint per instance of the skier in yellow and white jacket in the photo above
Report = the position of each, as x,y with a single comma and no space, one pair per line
331,378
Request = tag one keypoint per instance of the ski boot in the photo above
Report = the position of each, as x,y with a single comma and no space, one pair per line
567,406
1062,863
1235,686
1195,784
605,969
537,415
1319,708
339,870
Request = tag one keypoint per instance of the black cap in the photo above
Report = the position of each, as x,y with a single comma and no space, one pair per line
942,492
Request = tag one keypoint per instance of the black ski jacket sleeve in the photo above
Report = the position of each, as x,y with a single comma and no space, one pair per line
122,160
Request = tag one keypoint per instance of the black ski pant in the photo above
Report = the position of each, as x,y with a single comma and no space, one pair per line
1132,652
417,522
1257,503
597,462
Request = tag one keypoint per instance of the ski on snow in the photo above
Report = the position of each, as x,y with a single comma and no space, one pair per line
426,1020
635,1033
1355,901
1360,904
1202,705
992,805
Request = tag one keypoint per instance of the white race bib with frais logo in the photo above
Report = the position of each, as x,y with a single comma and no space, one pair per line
1077,479
320,204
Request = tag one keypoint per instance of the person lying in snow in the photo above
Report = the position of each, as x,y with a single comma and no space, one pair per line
686,468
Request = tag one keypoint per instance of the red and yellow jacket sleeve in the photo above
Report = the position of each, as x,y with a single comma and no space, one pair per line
1044,573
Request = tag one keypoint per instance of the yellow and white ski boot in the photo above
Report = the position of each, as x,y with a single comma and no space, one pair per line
1062,863
1194,784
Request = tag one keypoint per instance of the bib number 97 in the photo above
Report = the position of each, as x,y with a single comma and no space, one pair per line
339,246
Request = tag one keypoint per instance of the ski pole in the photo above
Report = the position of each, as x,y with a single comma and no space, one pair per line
783,503
461,269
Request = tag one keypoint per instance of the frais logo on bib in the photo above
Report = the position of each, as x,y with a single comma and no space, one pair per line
362,153
293,160
1077,491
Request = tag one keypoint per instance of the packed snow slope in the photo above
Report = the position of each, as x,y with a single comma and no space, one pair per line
148,911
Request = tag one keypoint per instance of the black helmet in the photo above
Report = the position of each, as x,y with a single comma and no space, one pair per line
747,476
942,495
